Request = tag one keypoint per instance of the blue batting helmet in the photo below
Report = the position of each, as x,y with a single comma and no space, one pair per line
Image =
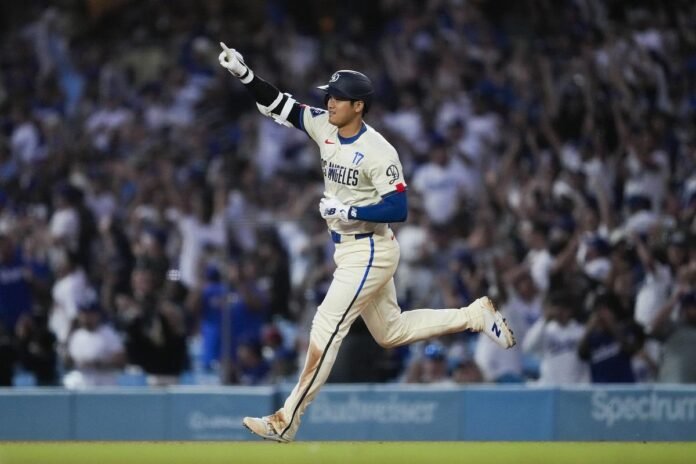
350,85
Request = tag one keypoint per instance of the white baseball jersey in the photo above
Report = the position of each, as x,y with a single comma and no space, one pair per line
358,170
557,346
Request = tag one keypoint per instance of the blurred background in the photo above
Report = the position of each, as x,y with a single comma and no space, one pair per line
155,229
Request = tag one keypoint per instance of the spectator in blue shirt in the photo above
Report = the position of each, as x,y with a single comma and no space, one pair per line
251,367
213,302
610,341
15,285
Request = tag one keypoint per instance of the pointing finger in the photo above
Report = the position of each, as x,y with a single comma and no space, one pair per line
224,47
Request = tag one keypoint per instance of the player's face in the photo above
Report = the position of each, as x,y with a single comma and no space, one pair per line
342,112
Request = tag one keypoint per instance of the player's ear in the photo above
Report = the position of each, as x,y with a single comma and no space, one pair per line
358,106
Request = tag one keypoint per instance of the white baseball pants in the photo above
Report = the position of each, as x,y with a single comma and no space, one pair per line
363,285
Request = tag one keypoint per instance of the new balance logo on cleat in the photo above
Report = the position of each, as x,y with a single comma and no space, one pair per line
499,331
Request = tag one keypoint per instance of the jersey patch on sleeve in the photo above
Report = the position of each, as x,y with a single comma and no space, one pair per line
393,172
400,187
316,112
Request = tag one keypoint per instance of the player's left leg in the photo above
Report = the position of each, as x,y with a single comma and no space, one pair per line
390,327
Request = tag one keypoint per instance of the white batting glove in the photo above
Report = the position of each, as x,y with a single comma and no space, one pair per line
331,208
233,61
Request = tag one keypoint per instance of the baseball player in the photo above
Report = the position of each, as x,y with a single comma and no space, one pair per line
364,192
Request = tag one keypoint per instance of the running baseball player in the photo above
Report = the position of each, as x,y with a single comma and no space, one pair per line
364,192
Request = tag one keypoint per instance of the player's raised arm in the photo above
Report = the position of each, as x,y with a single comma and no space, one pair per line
281,107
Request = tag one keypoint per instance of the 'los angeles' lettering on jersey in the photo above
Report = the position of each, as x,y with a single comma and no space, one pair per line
341,174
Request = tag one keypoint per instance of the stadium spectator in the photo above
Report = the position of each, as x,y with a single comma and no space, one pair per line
15,284
430,366
276,270
466,371
415,283
70,287
115,261
251,368
539,258
95,353
555,339
202,227
523,306
441,182
35,349
150,252
610,341
155,330
568,133
213,302
677,364
7,358
279,357
249,312
65,222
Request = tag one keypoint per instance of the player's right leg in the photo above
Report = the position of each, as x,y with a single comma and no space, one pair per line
390,327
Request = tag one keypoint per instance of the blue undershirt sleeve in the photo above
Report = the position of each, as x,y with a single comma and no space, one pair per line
392,208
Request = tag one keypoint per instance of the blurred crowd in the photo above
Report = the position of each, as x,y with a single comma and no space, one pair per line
155,228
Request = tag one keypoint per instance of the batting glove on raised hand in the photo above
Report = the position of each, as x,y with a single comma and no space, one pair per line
331,208
233,61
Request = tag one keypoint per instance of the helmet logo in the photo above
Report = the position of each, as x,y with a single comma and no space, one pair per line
334,77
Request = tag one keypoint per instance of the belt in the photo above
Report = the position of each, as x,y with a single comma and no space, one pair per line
340,238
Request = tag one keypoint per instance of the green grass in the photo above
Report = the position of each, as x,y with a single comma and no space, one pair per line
343,452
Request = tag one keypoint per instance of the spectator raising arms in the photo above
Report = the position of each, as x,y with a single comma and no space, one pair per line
559,139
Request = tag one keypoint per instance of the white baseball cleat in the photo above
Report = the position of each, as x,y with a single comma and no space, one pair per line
494,325
262,427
